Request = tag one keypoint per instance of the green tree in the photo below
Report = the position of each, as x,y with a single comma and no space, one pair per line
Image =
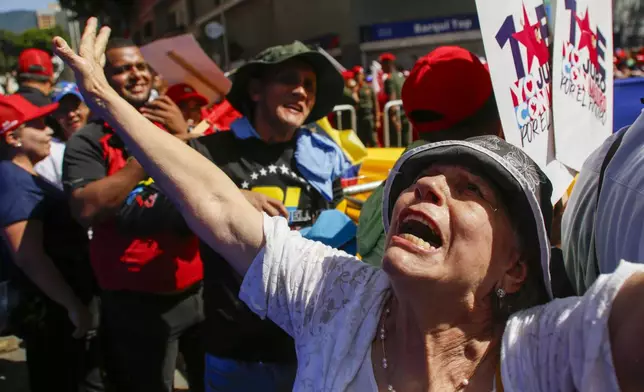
12,44
40,38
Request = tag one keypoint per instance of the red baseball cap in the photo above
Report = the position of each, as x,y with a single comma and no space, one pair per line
357,69
182,91
387,57
444,88
346,75
35,63
15,110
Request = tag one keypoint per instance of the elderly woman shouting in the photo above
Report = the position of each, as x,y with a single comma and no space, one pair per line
459,303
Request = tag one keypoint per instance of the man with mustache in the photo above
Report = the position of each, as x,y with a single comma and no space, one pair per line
146,260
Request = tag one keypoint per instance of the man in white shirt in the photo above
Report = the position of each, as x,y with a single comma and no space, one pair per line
51,168
596,236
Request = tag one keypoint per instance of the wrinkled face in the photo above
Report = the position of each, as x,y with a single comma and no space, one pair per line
286,96
129,74
33,139
72,114
191,109
450,227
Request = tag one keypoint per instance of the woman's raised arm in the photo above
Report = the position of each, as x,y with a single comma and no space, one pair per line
210,202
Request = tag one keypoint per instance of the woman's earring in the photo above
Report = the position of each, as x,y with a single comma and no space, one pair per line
500,293
19,144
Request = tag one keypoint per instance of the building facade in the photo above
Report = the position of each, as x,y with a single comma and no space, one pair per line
628,23
50,17
46,21
353,31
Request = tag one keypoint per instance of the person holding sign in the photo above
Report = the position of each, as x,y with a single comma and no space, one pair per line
467,222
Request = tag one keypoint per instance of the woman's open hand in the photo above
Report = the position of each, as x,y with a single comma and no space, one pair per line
88,63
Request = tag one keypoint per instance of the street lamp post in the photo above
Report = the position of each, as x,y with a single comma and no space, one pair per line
225,38
73,29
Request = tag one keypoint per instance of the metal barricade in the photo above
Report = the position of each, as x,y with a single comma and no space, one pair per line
385,124
338,109
361,188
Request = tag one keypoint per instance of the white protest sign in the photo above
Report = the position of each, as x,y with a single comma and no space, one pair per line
582,78
516,39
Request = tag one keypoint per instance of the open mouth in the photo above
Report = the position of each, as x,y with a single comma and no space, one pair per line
295,107
421,232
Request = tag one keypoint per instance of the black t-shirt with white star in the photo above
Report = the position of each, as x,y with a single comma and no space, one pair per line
234,331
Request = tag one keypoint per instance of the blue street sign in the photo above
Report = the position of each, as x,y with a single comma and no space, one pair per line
413,28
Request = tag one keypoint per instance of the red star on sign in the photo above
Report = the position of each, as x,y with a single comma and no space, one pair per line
531,38
588,38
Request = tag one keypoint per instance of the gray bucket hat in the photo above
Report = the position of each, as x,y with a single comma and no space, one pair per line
525,189
330,84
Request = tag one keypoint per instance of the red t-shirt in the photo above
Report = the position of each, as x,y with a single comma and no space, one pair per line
146,246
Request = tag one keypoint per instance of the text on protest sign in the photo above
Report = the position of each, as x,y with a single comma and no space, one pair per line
582,79
516,39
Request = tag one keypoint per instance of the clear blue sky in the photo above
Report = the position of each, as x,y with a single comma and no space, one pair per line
29,5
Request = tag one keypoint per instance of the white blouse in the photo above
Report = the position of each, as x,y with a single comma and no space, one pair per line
330,303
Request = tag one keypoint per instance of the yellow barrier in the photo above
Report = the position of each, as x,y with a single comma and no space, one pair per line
375,167
378,163
348,140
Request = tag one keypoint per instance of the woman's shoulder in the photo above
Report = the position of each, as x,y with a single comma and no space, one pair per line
20,195
14,179
8,167
599,296
565,338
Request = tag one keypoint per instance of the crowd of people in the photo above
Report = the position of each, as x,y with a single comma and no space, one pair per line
368,95
628,63
131,238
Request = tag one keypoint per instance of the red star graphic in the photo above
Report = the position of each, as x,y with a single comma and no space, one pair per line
588,38
531,38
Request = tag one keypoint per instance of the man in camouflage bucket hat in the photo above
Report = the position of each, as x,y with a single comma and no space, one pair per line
328,80
280,90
